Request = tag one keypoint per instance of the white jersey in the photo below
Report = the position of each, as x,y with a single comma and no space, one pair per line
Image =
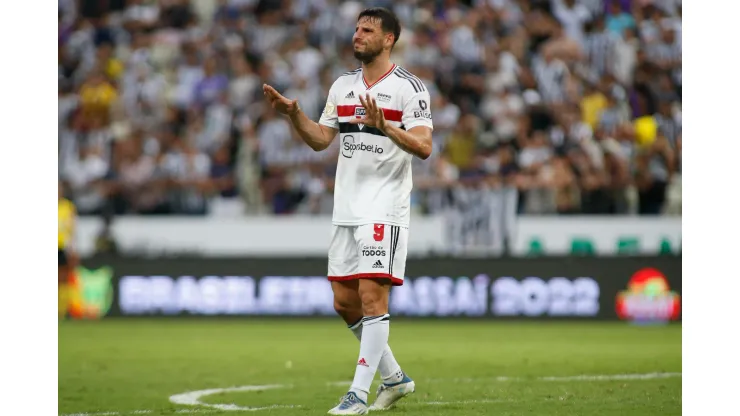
373,182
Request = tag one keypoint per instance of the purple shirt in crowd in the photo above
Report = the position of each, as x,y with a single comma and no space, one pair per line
208,89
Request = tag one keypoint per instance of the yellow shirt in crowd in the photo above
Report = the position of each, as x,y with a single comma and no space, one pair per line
591,107
67,214
96,100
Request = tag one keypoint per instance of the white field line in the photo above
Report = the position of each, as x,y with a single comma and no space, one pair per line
438,403
192,398
502,379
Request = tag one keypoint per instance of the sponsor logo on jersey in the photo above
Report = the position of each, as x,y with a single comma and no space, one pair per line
384,97
350,95
378,265
377,250
423,113
349,147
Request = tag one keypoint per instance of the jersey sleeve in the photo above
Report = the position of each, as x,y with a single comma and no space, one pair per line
417,110
329,117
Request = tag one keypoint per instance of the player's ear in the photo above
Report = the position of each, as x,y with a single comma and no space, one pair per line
389,40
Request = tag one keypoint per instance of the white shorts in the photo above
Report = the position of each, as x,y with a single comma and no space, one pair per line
370,251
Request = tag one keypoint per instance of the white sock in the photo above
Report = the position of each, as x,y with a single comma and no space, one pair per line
374,340
389,369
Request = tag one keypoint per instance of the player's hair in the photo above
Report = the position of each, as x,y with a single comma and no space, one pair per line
388,20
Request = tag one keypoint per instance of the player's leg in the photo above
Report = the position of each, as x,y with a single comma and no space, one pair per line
381,247
348,305
396,384
347,301
375,331
343,271
376,253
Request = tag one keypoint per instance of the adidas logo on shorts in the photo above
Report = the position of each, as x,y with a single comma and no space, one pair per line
378,265
350,95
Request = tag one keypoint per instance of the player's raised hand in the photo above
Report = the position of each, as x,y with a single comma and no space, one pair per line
281,104
374,116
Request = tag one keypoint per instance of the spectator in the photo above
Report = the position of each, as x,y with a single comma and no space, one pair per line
534,161
618,20
222,173
189,74
552,77
505,110
572,16
211,86
138,182
188,170
655,167
601,46
625,58
96,98
423,53
84,177
462,143
244,87
592,104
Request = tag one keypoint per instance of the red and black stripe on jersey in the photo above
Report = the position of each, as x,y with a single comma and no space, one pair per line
349,111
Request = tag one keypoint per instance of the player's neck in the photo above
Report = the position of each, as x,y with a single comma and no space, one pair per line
376,69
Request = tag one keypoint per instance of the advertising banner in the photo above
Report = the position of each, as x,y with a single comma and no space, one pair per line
473,232
640,289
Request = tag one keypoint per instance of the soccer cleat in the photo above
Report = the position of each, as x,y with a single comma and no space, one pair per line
389,394
350,404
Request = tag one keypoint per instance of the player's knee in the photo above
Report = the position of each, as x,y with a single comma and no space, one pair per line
344,308
374,303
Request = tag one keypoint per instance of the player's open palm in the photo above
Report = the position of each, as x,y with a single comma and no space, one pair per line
281,104
374,116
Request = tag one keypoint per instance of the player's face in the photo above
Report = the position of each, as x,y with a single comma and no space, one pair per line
368,40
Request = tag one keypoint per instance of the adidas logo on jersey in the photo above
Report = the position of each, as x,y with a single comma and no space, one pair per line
350,95
378,265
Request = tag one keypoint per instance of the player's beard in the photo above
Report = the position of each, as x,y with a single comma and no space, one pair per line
369,55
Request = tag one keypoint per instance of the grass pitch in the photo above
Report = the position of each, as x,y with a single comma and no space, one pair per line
124,367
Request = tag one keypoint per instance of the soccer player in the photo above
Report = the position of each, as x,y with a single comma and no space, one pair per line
382,115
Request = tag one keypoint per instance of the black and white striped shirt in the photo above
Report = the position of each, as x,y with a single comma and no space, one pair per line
551,79
595,7
661,52
669,127
600,49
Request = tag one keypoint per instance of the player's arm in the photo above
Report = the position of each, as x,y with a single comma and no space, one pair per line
318,136
417,140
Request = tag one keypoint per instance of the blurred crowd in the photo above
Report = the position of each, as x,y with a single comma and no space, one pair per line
574,104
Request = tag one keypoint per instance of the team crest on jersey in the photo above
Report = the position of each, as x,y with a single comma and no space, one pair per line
329,109
360,113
